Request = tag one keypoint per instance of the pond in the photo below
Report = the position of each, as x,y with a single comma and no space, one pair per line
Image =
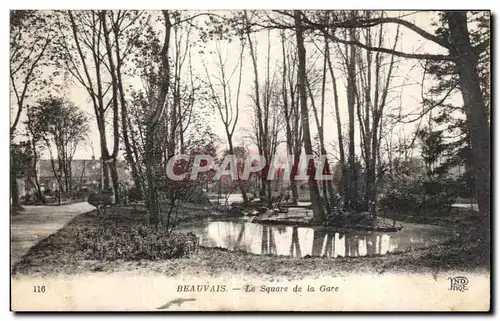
302,241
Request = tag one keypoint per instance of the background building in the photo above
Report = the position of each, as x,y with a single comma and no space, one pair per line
85,174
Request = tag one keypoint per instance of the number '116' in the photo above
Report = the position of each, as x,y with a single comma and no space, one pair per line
39,289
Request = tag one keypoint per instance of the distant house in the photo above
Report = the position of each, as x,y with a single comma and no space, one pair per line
86,173
279,186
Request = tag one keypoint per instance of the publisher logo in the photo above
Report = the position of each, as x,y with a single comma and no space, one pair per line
458,283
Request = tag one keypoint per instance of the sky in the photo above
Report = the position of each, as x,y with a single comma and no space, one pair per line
406,84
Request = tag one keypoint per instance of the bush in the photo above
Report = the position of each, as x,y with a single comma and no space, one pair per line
27,198
419,196
132,243
82,193
134,194
94,199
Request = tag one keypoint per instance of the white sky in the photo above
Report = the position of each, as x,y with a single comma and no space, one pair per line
408,72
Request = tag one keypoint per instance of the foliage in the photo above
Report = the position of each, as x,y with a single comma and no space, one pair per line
449,145
59,123
446,73
30,38
21,156
134,194
432,150
420,195
132,243
61,120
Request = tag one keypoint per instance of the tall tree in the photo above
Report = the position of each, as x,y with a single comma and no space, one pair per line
476,110
62,126
350,66
318,212
30,37
153,120
456,39
261,131
373,89
126,28
222,98
83,55
344,180
35,137
293,132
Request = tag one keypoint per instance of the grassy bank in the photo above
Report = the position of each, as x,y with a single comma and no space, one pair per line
461,217
54,255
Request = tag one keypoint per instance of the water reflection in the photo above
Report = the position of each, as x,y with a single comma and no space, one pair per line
300,242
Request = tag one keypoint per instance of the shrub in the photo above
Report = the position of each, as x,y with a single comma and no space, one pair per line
134,194
132,243
82,193
27,198
94,199
419,196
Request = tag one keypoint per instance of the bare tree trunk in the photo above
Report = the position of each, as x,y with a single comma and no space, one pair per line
297,139
287,111
124,115
343,188
104,157
322,150
96,96
14,189
476,110
351,102
151,173
239,182
319,214
116,129
370,116
261,134
115,180
35,172
140,183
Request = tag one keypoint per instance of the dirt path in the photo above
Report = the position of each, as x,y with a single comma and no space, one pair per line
37,222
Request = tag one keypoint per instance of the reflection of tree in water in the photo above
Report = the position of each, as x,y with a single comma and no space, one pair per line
394,242
372,244
229,235
207,239
264,243
330,244
295,243
238,244
237,236
342,241
352,247
318,238
225,234
272,242
281,229
268,241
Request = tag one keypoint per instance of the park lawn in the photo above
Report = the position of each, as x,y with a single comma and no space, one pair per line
53,256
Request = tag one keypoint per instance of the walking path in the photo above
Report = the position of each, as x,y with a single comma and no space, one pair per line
37,222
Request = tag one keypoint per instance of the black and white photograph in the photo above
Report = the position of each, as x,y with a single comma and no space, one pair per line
250,160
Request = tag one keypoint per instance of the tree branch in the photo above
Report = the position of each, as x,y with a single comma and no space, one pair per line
391,51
